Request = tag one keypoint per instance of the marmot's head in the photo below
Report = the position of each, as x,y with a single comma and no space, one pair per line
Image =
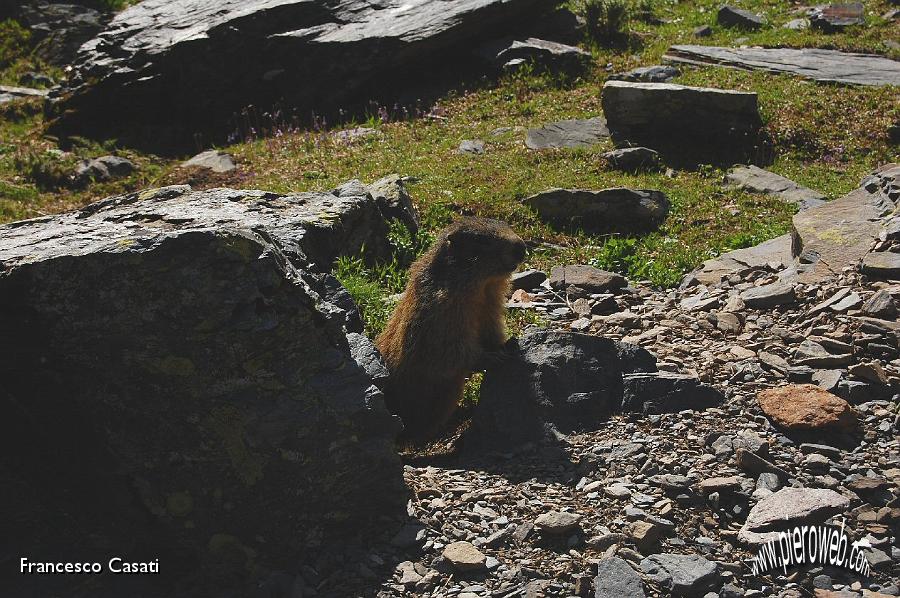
474,248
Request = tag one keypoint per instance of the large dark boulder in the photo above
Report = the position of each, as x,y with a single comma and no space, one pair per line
686,125
176,385
554,381
59,29
564,380
178,67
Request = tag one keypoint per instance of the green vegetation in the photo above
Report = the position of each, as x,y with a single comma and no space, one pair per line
13,38
607,21
825,136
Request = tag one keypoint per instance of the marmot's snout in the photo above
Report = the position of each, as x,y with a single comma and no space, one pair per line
515,253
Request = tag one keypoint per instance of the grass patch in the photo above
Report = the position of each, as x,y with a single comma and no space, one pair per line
826,137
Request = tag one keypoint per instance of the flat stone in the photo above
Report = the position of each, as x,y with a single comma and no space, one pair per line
633,159
720,484
768,296
749,461
355,133
671,482
589,278
775,252
408,574
681,574
730,16
666,392
882,264
823,449
797,24
686,125
604,211
869,372
806,407
835,298
471,146
773,362
757,180
104,168
880,305
827,379
568,133
617,491
543,55
833,18
703,31
557,522
729,322
464,556
851,301
648,74
814,355
615,579
741,352
9,93
528,279
787,508
829,66
213,160
645,535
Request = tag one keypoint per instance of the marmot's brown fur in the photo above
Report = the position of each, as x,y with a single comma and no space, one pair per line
450,319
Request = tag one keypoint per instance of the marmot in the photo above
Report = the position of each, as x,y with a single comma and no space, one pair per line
450,320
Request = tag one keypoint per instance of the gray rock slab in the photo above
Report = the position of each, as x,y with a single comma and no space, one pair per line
758,180
658,73
544,55
568,133
731,16
633,159
787,508
882,264
588,278
666,392
615,578
841,232
9,93
681,574
213,160
830,66
471,146
178,67
311,228
769,295
104,168
774,253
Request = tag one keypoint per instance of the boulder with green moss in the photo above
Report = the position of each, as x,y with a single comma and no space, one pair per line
176,384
